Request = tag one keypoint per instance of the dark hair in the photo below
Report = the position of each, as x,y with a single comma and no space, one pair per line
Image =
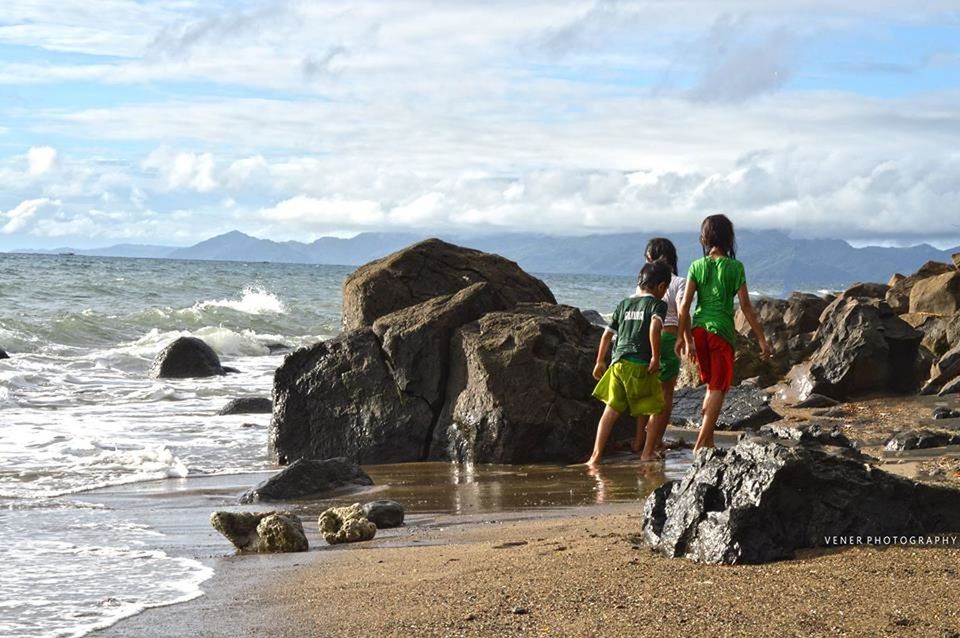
716,231
653,274
663,248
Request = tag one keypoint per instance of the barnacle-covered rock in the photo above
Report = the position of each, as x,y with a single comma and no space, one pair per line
346,525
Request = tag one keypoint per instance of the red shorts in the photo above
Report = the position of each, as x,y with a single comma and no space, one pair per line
715,359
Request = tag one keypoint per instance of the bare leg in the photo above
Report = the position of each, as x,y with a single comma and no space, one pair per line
712,404
654,442
642,436
607,420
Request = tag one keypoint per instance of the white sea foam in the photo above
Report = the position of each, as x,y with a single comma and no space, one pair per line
253,301
225,342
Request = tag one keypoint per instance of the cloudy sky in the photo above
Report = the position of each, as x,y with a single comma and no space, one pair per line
169,122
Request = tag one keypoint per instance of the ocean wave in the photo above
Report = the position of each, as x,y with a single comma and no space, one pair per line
224,341
253,301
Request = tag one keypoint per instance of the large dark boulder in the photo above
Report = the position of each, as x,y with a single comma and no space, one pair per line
429,269
746,407
374,394
898,296
307,478
186,357
339,398
763,499
519,388
864,347
3,355
247,405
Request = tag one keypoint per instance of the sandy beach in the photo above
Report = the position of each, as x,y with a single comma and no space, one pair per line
579,572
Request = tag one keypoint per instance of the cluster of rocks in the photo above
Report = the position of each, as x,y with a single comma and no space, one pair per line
794,488
898,337
447,354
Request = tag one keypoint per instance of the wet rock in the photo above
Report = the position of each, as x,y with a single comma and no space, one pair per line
384,514
745,407
595,318
429,269
265,532
810,433
346,525
921,439
186,357
939,295
763,499
898,296
247,405
945,413
519,388
308,478
817,401
339,398
3,355
867,290
953,387
277,348
863,348
230,370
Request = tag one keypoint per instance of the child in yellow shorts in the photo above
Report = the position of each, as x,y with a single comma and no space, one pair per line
632,382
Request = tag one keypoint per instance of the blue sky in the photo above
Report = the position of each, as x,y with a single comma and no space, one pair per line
169,122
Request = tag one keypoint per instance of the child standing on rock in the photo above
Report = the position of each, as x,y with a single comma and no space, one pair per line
716,279
632,382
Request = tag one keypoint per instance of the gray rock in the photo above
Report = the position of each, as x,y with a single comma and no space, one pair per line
817,401
247,405
763,499
745,407
264,532
519,388
810,433
3,355
308,478
346,525
384,514
186,357
429,269
945,413
863,348
921,439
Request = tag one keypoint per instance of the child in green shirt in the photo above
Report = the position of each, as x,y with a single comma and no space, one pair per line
716,279
632,382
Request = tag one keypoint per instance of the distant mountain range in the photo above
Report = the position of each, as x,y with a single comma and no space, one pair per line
775,262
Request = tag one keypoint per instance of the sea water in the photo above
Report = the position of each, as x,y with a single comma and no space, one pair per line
80,411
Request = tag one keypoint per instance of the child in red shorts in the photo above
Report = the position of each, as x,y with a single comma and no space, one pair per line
717,280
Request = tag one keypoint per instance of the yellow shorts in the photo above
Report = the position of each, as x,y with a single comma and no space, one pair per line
627,384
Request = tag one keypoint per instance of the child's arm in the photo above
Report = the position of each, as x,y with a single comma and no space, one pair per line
684,329
656,327
602,351
747,307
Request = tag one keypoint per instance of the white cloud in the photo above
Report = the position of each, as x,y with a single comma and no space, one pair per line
183,170
23,214
41,160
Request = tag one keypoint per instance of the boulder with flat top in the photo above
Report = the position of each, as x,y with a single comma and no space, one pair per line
309,478
939,295
765,498
746,407
898,296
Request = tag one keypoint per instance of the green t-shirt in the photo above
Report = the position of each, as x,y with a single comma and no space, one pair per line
718,280
631,321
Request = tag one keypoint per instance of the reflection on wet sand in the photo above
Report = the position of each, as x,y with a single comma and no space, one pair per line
474,489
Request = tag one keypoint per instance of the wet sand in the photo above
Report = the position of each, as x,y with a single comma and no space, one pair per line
574,573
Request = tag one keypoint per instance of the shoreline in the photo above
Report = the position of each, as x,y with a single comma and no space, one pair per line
580,572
